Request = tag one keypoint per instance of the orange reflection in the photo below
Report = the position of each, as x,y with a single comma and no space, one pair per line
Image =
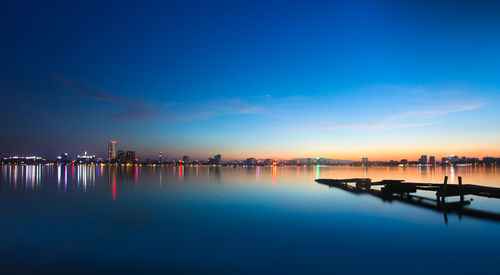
275,174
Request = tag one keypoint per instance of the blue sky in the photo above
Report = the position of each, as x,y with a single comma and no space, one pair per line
346,79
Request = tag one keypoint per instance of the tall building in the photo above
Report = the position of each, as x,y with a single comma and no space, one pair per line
130,156
185,159
423,159
218,159
160,159
364,161
432,159
111,150
120,157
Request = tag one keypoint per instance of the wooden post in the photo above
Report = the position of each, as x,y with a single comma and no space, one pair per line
443,189
460,190
461,197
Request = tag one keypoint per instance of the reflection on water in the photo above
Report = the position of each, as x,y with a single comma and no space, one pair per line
207,219
85,177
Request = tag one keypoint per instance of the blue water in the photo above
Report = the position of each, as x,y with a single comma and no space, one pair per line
231,220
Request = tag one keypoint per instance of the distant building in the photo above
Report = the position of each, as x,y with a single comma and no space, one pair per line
488,160
120,156
160,159
364,161
444,160
63,157
218,159
86,158
432,159
423,159
111,150
185,159
130,156
453,159
251,161
404,161
473,160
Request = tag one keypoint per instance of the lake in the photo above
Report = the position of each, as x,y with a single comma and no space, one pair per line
235,220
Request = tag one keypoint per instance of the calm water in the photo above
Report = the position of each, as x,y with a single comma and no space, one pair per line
234,220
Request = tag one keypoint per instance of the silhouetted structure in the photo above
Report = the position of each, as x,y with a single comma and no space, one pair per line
130,156
218,159
400,191
364,161
423,159
432,160
120,157
251,161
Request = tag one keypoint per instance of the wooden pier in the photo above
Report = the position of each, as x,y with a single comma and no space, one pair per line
400,190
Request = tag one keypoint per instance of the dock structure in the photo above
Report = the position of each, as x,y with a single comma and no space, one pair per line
400,190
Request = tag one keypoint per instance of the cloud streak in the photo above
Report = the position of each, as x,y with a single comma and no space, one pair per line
215,108
417,118
131,109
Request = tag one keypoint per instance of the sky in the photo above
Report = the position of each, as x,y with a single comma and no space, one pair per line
265,79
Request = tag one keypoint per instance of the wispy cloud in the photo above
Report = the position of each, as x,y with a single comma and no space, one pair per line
411,119
214,108
373,126
425,114
132,109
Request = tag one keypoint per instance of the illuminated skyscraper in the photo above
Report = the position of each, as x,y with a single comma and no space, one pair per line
111,150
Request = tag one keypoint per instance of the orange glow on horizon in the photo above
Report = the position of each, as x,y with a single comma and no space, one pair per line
374,154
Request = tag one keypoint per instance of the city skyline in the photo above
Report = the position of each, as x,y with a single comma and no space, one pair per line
113,155
389,80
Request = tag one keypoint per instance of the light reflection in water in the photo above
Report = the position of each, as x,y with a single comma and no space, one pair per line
65,178
275,174
33,177
452,174
181,173
59,176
